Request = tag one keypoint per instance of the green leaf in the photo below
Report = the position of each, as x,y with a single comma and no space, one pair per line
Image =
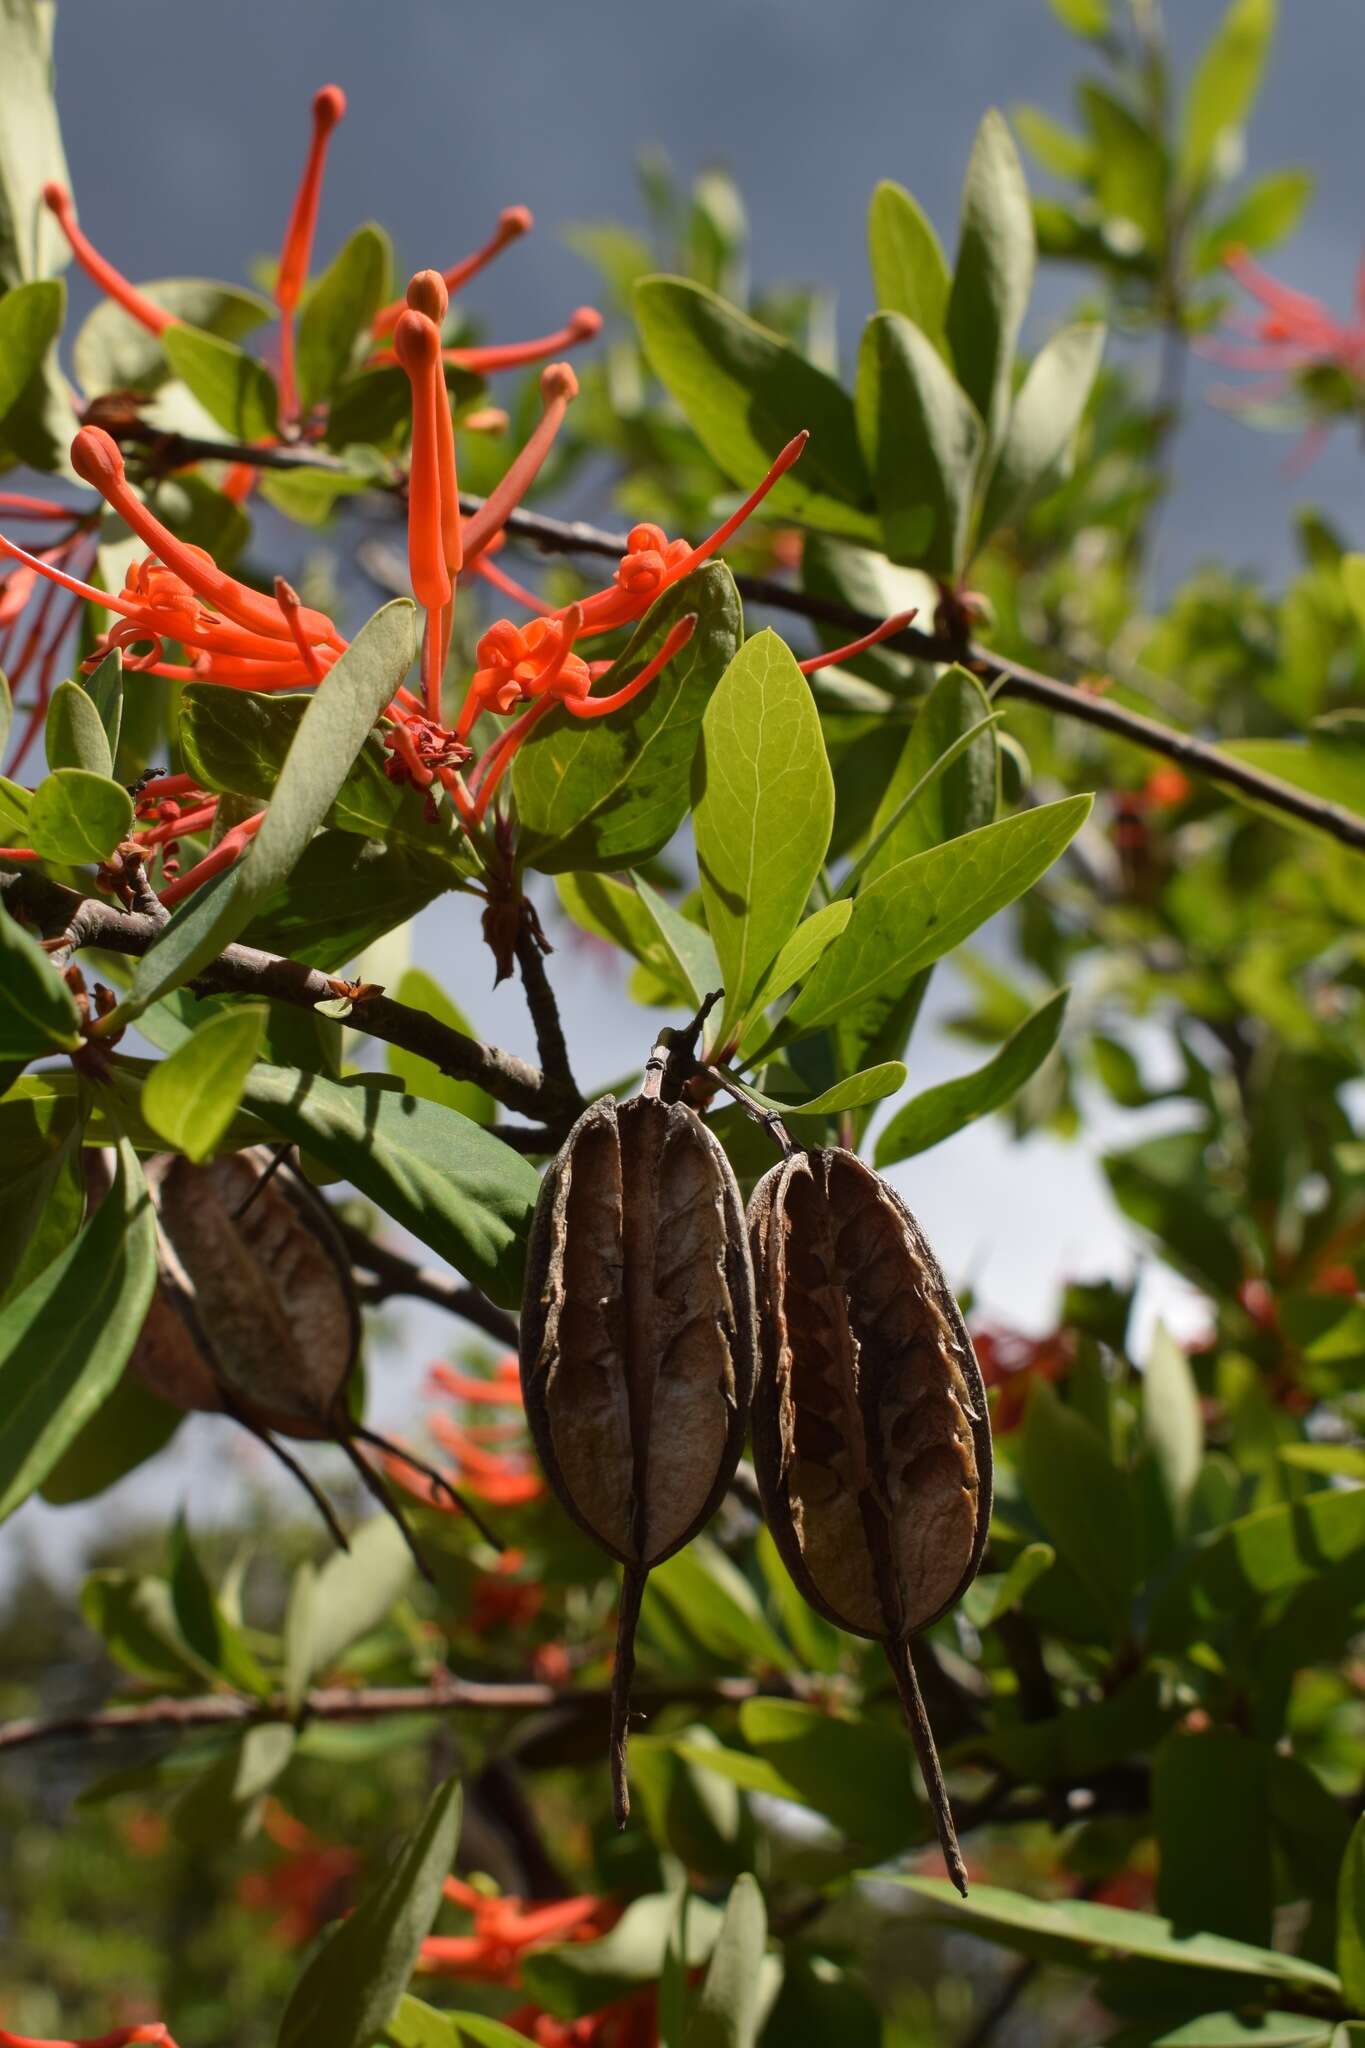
132,1613
1258,1557
610,792
994,274
940,1112
31,244
1224,86
6,720
192,1097
1084,1503
616,912
334,728
1131,175
687,946
1083,17
105,691
77,816
874,1084
909,270
856,1773
1000,1593
338,310
1351,1919
348,1993
30,321
420,991
1084,1740
65,1339
129,1427
1087,1937
923,907
1207,1788
75,736
456,1187
1266,212
38,1012
237,741
350,1596
718,1607
763,807
729,2009
233,388
114,352
746,392
1057,149
1233,2030
1035,455
946,781
215,1640
796,959
922,437
1173,1424
42,1190
309,496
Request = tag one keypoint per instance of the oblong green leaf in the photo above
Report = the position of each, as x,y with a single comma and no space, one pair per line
728,2009
747,392
30,321
1351,1919
993,276
74,736
1072,1931
796,959
922,908
946,781
66,1338
1224,86
455,1186
922,437
349,1991
1043,423
939,1112
38,1012
338,310
688,947
762,810
1083,1501
910,272
233,388
192,1097
873,1084
420,991
77,817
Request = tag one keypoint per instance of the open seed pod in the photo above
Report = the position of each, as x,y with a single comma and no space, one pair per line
255,1312
872,1443
638,1343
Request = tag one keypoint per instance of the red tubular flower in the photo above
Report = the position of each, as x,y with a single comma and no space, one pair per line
308,1887
98,268
1294,334
581,325
631,2023
329,105
513,222
506,1929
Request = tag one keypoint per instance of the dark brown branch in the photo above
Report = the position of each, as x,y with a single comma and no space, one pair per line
1012,678
531,948
395,1275
342,1703
243,970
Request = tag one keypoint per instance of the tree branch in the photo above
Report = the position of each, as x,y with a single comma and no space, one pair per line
244,970
444,1694
395,1275
531,948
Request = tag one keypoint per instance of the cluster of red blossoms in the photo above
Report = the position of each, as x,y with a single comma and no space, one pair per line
1292,336
490,1460
177,598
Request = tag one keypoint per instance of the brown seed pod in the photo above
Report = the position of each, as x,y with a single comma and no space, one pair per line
638,1343
872,1443
255,1313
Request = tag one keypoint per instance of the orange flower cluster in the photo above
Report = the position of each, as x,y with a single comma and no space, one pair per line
308,1887
503,1477
1293,334
1012,1362
154,2034
505,1930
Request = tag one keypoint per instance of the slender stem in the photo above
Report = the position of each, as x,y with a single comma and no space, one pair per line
622,1676
393,1275
540,1001
907,1685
